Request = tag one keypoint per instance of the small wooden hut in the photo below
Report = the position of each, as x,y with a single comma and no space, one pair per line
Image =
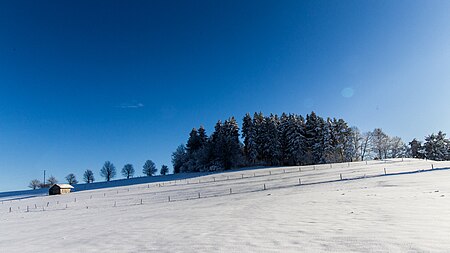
59,189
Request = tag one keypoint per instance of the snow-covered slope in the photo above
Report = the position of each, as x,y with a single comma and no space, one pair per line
367,211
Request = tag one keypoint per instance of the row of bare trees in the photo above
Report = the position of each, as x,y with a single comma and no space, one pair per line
108,172
377,144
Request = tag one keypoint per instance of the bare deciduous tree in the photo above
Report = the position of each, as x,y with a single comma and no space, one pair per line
108,171
380,142
88,176
128,171
71,179
397,147
149,168
52,180
366,141
34,184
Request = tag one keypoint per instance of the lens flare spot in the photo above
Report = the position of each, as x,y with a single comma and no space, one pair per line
347,92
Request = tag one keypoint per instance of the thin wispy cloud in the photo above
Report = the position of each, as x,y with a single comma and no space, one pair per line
130,105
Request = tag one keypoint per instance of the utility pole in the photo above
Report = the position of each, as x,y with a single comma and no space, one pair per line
44,178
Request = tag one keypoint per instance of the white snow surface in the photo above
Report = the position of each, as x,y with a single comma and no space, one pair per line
407,210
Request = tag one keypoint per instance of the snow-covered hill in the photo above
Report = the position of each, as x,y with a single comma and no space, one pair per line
382,206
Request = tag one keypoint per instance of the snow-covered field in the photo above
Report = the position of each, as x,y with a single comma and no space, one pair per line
397,212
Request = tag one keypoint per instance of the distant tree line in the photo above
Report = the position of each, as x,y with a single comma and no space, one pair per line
273,140
292,139
108,172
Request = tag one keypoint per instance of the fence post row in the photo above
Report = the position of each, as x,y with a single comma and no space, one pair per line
198,193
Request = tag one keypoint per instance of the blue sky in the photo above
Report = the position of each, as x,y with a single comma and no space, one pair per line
82,82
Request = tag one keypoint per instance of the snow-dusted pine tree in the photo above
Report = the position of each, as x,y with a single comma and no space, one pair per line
314,134
271,141
247,126
436,147
296,142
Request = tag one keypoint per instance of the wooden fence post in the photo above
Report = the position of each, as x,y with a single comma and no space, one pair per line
299,181
341,176
231,191
264,187
385,171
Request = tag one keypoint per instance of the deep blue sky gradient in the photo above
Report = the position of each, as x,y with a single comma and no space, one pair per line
82,82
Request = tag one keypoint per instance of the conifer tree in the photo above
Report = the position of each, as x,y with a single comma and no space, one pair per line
295,134
271,141
436,147
314,134
247,126
416,149
283,137
179,159
258,126
164,170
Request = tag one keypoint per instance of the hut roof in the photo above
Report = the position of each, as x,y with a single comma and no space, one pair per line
64,186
